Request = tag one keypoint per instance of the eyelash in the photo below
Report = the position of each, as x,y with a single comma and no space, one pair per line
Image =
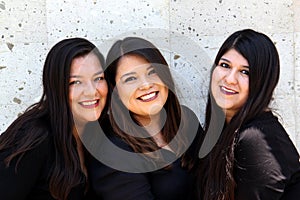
77,82
74,83
131,78
100,78
225,65
152,71
245,72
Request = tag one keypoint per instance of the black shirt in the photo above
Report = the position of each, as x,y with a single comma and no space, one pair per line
174,183
267,163
30,181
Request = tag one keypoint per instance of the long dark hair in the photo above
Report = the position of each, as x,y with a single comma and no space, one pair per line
145,49
52,115
216,179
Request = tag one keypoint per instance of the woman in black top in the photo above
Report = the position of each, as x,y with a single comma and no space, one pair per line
246,153
149,152
41,155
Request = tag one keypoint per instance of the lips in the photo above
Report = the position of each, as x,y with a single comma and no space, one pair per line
227,90
148,97
90,104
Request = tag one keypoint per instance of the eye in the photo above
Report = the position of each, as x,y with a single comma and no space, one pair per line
75,82
100,78
225,65
130,78
246,72
152,71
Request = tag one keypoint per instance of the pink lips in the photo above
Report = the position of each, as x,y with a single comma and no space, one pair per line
148,97
90,104
227,91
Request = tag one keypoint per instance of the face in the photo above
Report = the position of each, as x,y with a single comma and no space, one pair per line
139,86
88,88
230,83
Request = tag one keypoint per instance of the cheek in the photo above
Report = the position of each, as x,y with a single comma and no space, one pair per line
166,92
72,95
124,94
103,89
245,85
214,78
217,74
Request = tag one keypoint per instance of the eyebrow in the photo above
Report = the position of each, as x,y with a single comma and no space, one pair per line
127,74
246,66
77,76
131,73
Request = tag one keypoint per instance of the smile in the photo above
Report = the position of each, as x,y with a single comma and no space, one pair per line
227,90
148,97
90,104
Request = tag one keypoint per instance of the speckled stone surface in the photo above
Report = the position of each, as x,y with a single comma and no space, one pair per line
189,33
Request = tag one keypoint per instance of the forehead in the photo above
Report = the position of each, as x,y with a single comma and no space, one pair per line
85,63
131,62
234,56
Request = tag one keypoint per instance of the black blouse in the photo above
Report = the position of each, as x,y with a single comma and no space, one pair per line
267,163
174,183
30,181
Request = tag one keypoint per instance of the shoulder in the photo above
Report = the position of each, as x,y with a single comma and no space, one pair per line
265,127
35,135
40,130
189,119
264,142
186,111
99,138
265,157
191,123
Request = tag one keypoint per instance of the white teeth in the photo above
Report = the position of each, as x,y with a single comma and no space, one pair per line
228,90
89,103
148,96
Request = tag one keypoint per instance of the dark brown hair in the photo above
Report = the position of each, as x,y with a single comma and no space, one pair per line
145,49
52,116
216,180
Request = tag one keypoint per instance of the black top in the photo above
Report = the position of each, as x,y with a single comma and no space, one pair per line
30,180
174,183
267,163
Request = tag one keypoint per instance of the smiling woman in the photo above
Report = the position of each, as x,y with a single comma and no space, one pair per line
147,120
41,155
88,88
230,87
140,88
253,157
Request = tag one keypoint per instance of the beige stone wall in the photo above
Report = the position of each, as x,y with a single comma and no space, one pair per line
192,30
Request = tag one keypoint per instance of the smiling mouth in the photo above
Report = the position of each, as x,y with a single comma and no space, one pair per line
90,104
148,97
227,90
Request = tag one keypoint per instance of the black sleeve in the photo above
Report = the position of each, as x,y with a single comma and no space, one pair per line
111,184
16,183
260,171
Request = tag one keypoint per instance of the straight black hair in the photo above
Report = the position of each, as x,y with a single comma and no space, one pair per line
52,115
216,169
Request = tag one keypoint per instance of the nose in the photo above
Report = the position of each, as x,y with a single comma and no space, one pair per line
90,89
231,77
145,84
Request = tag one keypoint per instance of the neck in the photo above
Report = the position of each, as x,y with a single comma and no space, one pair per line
228,116
153,124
